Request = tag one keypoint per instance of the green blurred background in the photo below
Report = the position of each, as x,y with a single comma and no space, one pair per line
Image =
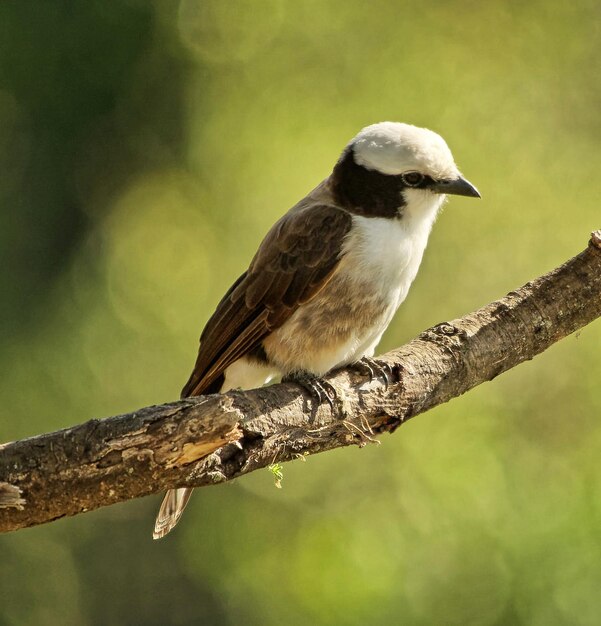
145,148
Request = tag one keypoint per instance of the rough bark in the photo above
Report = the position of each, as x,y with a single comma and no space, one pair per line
213,439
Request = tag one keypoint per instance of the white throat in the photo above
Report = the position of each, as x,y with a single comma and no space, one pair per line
421,210
389,251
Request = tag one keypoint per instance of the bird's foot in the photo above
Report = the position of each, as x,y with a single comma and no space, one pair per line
374,369
319,389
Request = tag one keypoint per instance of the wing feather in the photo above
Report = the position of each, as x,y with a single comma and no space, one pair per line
294,262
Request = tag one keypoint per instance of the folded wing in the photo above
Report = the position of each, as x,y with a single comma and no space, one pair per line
295,261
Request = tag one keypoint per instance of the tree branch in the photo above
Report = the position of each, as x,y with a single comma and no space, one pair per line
213,439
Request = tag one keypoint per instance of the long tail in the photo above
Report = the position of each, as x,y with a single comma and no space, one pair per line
171,510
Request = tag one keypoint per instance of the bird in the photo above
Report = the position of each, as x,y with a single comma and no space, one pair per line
330,274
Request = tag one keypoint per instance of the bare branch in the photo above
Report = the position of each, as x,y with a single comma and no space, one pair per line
213,439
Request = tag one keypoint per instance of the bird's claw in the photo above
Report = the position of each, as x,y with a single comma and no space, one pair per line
319,389
374,369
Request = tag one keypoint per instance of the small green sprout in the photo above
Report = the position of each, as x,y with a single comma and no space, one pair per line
278,474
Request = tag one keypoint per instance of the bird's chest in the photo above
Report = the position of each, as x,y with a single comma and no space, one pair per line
379,260
381,257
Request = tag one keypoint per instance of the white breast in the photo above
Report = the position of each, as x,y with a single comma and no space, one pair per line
387,252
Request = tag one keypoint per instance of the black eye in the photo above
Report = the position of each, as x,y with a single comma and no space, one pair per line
412,179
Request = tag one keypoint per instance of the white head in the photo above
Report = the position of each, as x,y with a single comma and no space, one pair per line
394,148
397,149
394,170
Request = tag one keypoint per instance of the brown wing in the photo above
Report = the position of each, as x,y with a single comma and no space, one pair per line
295,260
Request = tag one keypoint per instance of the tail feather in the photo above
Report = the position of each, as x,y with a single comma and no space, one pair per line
248,374
171,510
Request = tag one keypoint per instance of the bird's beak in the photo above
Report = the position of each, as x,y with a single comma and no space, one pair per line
457,187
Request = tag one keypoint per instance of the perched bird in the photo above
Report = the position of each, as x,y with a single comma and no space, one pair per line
330,274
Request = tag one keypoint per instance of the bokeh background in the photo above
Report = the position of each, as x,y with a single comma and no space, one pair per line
145,149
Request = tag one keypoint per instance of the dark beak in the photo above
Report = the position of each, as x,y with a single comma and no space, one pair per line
456,187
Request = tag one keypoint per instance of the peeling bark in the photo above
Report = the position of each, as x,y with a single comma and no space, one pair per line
213,439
